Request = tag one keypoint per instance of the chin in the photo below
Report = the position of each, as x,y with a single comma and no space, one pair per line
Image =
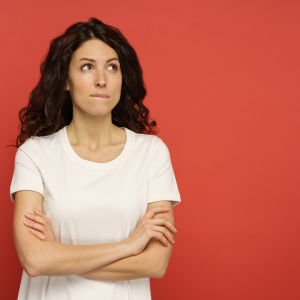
99,111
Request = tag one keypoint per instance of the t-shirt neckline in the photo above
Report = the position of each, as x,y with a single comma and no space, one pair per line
64,140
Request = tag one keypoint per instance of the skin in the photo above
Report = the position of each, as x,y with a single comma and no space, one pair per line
91,131
92,134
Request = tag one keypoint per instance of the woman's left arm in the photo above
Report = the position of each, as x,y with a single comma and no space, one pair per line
140,266
151,263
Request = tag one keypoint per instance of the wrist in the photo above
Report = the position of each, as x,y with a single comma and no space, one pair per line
126,248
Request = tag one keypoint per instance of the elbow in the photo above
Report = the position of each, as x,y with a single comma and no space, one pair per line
31,272
161,270
160,273
37,261
161,266
29,269
29,265
159,257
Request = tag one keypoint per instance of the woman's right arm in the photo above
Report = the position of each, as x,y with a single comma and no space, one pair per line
55,259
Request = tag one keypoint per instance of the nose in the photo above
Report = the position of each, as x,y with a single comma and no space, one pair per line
100,78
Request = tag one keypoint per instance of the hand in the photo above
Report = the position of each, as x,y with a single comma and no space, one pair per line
148,228
40,226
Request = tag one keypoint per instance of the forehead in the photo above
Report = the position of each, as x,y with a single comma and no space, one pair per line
95,49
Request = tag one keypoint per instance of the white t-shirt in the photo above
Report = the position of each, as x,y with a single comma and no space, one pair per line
91,203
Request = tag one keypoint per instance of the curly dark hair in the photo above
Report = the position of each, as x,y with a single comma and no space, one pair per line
50,106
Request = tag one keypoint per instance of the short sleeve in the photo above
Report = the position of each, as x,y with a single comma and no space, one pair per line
162,183
26,174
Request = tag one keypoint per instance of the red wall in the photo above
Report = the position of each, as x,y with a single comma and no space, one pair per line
223,85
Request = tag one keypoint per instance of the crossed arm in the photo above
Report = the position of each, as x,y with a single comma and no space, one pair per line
151,263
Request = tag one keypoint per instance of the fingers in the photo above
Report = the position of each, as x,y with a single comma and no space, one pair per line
163,221
154,210
37,226
37,234
41,218
158,221
160,237
162,233
36,218
167,234
42,215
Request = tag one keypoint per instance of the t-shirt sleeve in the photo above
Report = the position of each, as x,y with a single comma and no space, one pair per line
162,183
26,174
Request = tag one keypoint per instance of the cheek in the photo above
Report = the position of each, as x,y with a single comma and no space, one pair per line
82,84
79,82
118,85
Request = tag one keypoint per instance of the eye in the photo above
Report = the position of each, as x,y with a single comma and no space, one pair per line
88,65
115,67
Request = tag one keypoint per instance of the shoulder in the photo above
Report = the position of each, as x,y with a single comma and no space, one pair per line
148,139
28,147
152,143
158,147
34,144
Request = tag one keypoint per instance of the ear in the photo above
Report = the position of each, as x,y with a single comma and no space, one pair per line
67,86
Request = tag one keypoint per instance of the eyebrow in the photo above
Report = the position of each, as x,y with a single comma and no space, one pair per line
92,60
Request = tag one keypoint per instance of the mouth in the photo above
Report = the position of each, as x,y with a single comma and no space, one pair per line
100,95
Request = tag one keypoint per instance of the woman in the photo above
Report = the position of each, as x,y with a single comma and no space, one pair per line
98,185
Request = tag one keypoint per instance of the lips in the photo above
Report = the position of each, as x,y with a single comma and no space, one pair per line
100,95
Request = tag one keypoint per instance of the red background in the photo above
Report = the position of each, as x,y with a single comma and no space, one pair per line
223,85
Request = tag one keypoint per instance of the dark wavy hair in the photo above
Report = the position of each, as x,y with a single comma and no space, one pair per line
50,106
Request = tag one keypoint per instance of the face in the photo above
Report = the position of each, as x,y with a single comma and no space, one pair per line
94,69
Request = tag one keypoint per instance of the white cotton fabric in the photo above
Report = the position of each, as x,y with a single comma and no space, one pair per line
91,203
